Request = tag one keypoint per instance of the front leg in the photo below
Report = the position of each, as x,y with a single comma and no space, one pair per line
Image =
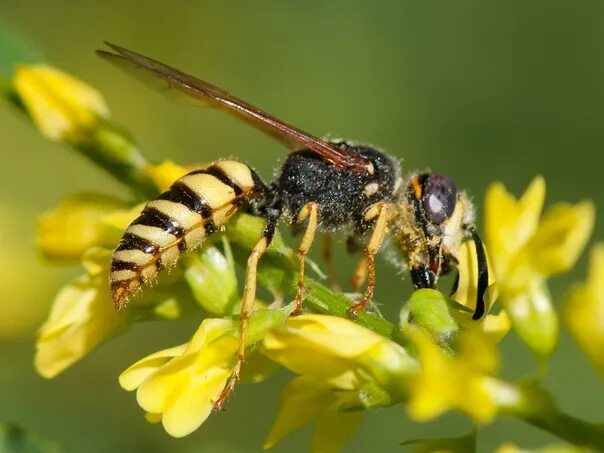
382,211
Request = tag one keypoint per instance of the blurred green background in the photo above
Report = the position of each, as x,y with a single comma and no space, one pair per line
481,91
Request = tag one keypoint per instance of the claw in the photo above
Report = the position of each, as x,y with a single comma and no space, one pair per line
228,388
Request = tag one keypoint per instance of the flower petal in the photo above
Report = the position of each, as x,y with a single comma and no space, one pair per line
337,336
534,318
181,384
302,400
155,394
510,223
65,232
134,376
165,173
334,429
467,269
335,350
466,386
61,106
81,317
122,218
193,402
561,237
584,310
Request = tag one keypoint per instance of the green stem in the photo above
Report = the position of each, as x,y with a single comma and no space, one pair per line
115,152
112,149
538,408
321,300
571,429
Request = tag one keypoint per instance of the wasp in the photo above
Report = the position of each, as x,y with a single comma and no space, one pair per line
323,185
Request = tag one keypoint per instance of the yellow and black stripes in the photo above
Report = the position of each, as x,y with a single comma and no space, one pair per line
178,221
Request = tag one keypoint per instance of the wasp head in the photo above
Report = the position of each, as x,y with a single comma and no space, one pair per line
435,218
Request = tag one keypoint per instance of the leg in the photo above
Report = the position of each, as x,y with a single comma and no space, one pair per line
247,302
360,274
310,212
327,257
373,247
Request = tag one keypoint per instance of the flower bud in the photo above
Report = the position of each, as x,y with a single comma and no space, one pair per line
62,107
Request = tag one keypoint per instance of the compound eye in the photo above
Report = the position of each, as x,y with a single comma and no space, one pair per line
438,198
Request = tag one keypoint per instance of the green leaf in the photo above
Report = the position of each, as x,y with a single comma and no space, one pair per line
320,299
511,448
15,439
464,444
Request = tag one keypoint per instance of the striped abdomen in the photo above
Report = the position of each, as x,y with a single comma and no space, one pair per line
176,222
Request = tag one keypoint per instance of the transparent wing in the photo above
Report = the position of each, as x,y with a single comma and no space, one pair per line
165,77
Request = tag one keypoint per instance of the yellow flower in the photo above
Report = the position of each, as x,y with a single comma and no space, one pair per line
526,250
462,382
304,400
467,269
66,232
339,352
344,368
61,106
81,317
584,310
178,386
181,384
86,220
510,223
165,173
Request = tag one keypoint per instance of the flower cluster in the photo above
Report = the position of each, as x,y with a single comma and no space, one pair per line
433,360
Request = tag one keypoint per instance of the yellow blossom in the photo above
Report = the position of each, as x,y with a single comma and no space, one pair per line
82,314
119,219
467,268
165,173
447,382
178,386
81,317
495,326
509,223
344,367
526,250
584,310
339,352
67,231
61,106
304,400
181,384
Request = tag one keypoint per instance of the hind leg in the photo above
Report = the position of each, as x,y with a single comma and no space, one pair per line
328,259
367,262
247,303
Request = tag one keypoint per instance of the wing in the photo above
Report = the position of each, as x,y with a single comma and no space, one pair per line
213,96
